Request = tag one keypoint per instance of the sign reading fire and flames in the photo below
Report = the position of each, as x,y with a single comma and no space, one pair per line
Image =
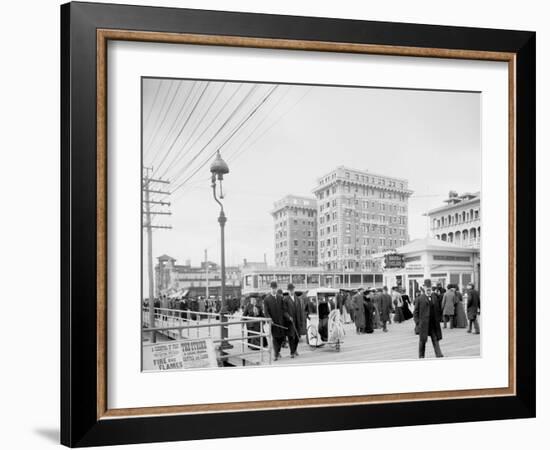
179,355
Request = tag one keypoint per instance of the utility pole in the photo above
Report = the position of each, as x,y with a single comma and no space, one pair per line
148,188
206,268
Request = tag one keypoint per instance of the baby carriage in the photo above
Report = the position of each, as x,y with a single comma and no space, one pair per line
324,321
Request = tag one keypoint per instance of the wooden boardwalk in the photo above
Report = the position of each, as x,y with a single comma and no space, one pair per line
399,343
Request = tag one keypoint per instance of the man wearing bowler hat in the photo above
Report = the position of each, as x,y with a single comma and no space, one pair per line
294,319
427,315
273,309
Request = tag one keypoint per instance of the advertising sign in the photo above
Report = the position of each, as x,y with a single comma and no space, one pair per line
179,355
394,261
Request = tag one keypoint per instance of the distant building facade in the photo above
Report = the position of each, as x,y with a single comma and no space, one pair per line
203,280
256,280
359,214
295,222
459,221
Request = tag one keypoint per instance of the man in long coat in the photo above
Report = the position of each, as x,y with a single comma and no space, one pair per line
385,308
473,308
358,309
273,309
294,316
448,305
427,315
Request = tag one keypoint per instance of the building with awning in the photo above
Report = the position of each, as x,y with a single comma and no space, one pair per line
430,259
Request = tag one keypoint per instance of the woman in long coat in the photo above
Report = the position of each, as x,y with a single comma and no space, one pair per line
407,314
253,310
397,306
461,321
358,311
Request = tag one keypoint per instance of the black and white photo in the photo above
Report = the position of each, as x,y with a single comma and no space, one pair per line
308,224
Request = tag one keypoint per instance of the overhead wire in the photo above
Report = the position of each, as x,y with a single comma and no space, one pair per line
183,127
146,121
166,95
172,100
248,117
182,154
244,149
218,131
189,95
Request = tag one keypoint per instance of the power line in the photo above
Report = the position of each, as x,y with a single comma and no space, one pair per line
232,134
146,122
271,126
199,122
227,120
182,108
172,100
168,89
184,125
267,115
182,155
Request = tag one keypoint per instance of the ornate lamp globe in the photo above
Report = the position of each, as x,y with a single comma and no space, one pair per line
219,167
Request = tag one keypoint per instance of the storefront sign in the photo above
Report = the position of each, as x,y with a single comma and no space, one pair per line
179,355
394,261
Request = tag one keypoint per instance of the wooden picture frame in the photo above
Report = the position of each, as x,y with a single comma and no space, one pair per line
85,417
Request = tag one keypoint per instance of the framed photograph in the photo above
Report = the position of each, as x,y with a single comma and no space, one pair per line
277,224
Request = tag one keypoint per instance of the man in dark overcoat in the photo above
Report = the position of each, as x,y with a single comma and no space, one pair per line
358,308
273,309
294,316
473,308
385,303
427,314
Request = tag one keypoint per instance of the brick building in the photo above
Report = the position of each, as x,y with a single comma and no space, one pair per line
359,213
295,220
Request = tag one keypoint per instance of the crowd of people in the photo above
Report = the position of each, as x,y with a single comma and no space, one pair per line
368,309
371,309
191,307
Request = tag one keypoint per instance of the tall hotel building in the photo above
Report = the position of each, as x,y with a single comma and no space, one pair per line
359,213
295,220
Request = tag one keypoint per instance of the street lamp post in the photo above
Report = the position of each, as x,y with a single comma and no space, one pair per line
218,169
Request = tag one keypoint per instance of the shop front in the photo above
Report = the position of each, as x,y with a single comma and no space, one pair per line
434,260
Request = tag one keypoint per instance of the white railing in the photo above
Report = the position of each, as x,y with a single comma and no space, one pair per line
186,324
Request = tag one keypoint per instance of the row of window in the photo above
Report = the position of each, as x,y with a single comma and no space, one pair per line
296,243
363,191
295,211
455,219
364,179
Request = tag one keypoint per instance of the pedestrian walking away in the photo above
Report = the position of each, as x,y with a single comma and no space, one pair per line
448,305
385,303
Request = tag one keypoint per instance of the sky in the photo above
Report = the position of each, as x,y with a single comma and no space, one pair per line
279,139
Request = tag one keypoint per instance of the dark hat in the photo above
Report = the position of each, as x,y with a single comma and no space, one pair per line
279,292
427,283
290,287
273,285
